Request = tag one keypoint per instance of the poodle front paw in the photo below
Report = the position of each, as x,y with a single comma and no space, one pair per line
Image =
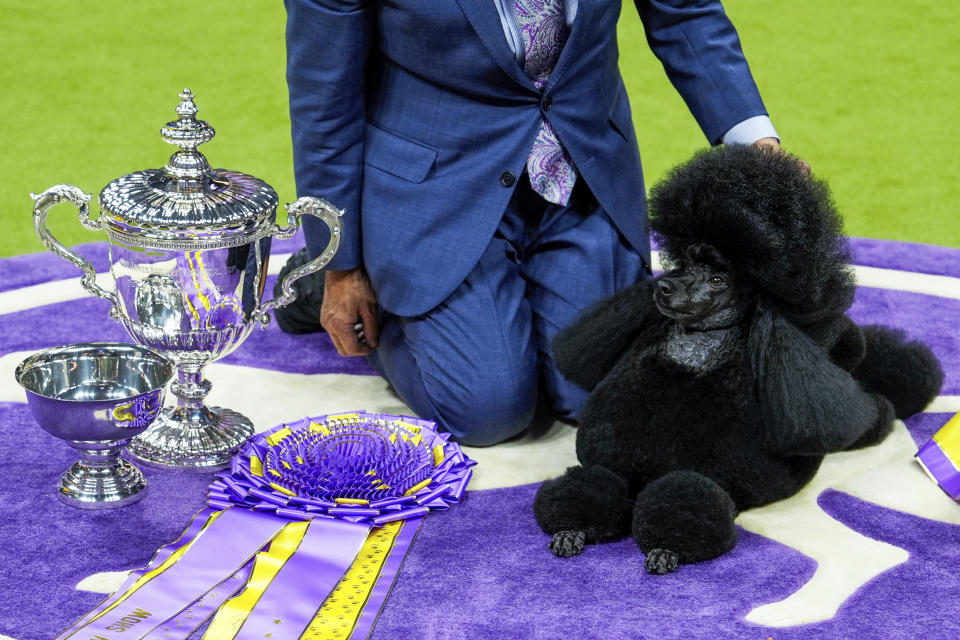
568,543
661,561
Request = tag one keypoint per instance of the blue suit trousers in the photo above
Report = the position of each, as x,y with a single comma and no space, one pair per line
478,362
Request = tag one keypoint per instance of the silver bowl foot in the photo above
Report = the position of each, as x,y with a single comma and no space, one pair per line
201,439
101,486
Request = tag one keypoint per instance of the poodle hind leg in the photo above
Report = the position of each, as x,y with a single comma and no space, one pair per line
681,518
585,505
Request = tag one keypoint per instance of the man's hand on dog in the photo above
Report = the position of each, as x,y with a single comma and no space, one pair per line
774,144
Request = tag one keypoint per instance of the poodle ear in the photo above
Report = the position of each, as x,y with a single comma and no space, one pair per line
808,404
586,351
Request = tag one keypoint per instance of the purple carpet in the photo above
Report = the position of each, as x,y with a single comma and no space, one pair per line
480,570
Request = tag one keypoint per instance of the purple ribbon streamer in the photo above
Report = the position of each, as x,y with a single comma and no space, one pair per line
327,550
219,551
388,575
183,625
199,519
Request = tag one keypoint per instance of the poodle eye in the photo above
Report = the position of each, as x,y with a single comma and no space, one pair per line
717,281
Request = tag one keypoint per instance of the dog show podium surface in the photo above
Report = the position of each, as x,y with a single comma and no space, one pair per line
868,549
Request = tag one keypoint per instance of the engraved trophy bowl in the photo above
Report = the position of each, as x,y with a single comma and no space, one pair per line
189,248
96,396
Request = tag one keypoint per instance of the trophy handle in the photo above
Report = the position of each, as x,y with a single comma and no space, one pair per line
330,215
81,200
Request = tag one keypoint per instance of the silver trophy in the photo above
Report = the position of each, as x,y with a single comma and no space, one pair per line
96,396
189,247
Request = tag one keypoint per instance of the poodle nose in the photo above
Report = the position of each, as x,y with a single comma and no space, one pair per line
666,289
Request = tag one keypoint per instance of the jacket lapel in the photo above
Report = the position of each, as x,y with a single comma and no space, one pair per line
485,21
580,30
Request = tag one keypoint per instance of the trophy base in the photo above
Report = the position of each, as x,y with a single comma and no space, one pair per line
101,486
203,439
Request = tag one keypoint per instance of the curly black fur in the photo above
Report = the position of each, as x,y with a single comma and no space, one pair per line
721,385
892,366
769,219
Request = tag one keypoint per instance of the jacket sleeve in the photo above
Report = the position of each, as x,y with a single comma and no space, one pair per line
327,45
700,51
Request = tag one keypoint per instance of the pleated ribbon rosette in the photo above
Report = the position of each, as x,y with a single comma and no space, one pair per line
302,538
940,457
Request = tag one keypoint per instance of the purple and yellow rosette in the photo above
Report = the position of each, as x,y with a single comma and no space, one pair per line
303,536
940,457
359,467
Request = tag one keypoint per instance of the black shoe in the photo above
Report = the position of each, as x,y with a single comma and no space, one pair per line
303,314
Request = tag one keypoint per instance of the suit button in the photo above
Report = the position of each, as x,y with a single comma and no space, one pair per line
507,179
547,103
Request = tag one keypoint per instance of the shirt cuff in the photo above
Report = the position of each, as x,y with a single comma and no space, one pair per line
750,130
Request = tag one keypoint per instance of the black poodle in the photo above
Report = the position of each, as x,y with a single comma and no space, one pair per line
721,385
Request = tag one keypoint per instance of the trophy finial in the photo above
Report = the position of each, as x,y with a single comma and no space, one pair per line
186,108
188,133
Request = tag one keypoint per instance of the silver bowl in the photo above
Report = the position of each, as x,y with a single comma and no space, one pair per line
96,396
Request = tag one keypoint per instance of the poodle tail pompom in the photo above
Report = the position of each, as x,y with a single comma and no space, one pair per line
904,371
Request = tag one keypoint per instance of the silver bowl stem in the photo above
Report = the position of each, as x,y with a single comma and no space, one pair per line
101,479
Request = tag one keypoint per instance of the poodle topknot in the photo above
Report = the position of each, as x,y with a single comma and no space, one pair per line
771,221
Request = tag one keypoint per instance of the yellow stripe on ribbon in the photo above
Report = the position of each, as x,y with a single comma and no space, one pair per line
412,490
351,501
340,611
150,575
345,416
320,428
413,428
277,437
256,465
234,612
282,489
438,455
948,437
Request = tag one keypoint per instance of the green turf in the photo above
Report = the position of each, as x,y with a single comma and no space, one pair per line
866,91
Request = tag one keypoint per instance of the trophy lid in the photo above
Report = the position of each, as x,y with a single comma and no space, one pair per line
187,205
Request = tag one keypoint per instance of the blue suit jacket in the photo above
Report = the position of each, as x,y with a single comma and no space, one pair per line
410,114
